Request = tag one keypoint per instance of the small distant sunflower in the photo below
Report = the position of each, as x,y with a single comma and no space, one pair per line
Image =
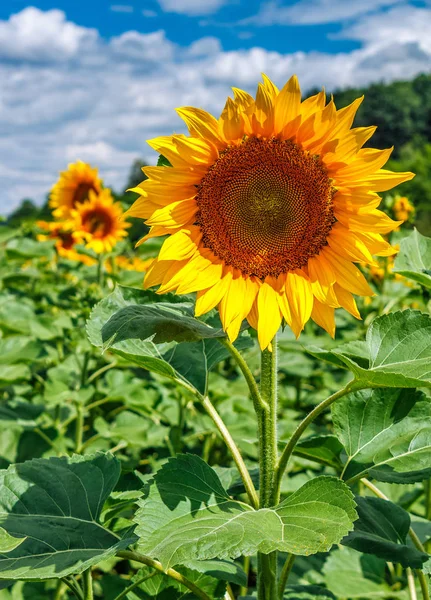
65,241
99,222
267,208
403,209
73,188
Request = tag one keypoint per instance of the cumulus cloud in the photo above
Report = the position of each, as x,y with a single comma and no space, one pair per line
192,7
37,36
310,12
100,100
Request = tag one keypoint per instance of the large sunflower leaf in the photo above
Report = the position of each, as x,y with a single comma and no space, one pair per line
189,361
382,530
55,504
414,258
386,433
186,514
349,574
162,587
397,352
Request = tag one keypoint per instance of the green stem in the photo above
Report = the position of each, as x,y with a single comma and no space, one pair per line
267,420
416,541
74,587
290,446
244,589
100,270
134,585
155,564
248,375
284,575
79,429
59,590
236,454
411,584
88,585
100,371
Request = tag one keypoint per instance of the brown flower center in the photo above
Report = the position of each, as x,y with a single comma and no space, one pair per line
265,207
97,222
81,193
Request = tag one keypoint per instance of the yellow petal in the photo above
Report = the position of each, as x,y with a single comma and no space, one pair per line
287,105
300,295
347,301
269,315
209,299
156,272
367,161
348,276
270,86
385,180
323,316
348,245
182,244
196,150
231,123
374,220
174,176
175,214
263,116
201,124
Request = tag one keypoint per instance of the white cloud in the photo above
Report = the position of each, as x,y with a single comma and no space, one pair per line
34,35
122,8
149,13
143,47
309,12
192,7
100,100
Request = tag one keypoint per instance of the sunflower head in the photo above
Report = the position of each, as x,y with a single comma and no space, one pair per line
99,222
65,241
267,208
73,188
403,209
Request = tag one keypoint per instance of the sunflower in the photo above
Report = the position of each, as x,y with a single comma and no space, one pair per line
99,222
65,241
73,188
403,209
267,209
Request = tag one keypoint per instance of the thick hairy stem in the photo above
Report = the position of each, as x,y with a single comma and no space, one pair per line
155,564
290,446
268,457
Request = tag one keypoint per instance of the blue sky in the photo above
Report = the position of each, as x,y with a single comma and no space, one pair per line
95,79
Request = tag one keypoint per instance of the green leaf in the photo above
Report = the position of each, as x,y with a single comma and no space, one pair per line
55,504
414,258
158,323
398,352
27,248
187,361
162,587
6,233
163,161
223,570
349,574
324,449
186,514
19,349
382,530
307,592
8,542
386,433
11,373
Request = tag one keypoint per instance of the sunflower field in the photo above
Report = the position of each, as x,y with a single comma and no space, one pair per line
221,390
